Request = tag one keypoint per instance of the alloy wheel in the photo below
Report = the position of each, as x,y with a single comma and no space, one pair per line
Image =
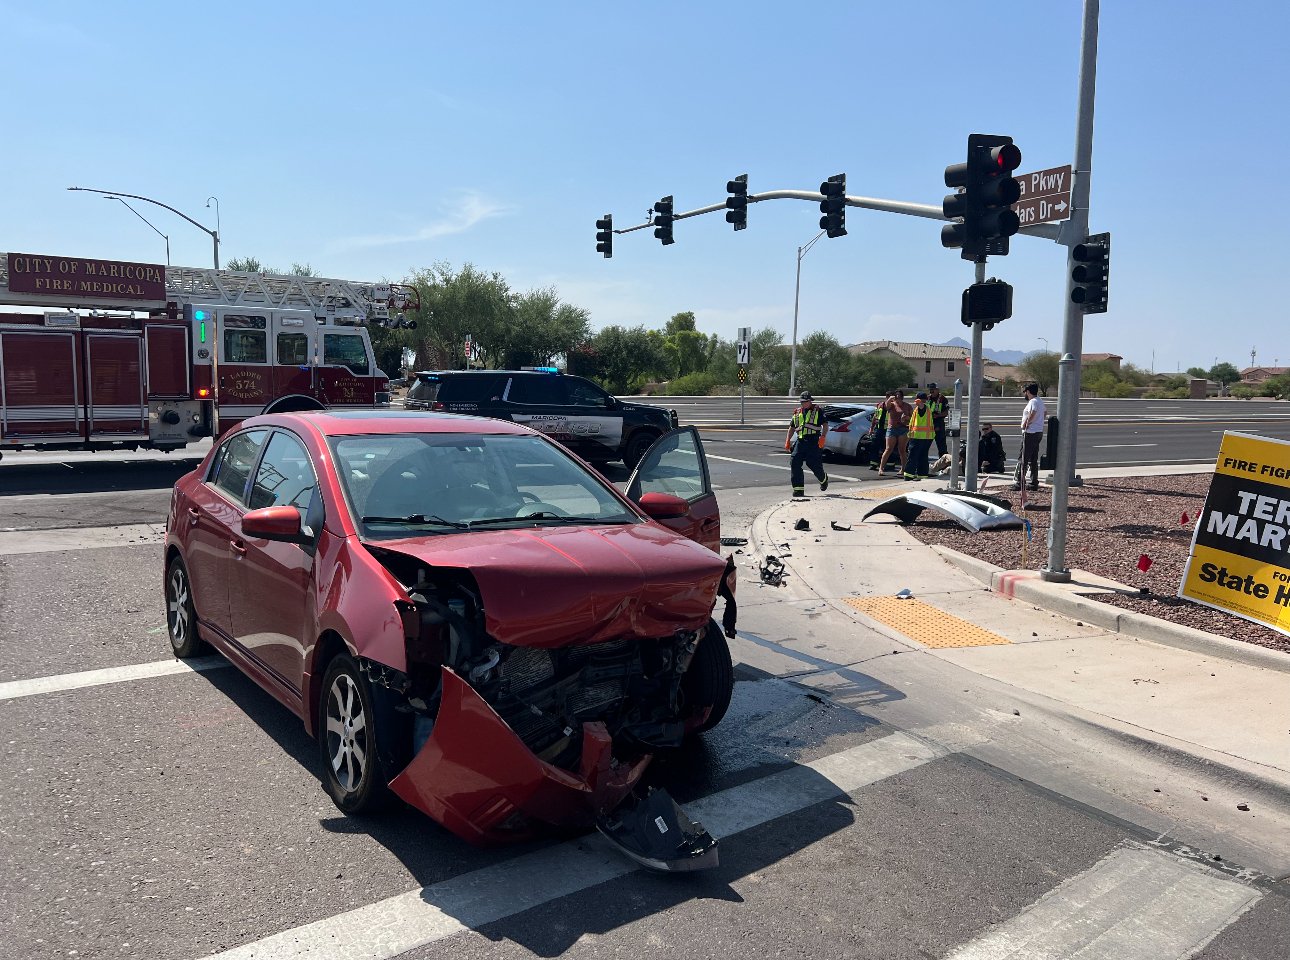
346,731
178,607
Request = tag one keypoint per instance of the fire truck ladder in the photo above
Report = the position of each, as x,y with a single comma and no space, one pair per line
345,300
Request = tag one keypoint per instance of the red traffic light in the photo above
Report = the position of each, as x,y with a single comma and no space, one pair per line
1006,158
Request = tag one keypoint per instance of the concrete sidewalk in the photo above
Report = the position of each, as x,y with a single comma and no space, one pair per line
1216,700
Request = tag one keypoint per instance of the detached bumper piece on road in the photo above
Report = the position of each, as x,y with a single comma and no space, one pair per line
969,511
655,832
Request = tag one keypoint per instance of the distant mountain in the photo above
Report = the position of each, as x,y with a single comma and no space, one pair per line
1009,358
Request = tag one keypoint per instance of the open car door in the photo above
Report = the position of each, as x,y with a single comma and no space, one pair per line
675,465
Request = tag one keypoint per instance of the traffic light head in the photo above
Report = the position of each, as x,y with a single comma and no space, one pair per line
663,220
987,303
737,202
986,192
834,206
1091,272
605,236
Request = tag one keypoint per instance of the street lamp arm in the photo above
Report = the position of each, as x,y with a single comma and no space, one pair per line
135,196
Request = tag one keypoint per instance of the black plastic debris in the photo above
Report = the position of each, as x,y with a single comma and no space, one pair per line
772,571
802,524
657,834
734,541
834,525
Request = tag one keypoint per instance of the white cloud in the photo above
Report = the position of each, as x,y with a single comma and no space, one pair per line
468,210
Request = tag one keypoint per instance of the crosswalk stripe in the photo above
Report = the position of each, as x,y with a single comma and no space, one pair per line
1134,904
401,923
13,689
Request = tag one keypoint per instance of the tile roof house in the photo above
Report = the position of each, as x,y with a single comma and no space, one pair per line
1256,375
932,362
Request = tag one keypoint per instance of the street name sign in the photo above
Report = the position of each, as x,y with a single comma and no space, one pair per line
1239,560
1045,195
1044,183
1040,209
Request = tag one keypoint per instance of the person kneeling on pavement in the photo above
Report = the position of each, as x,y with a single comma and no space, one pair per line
806,440
921,434
989,450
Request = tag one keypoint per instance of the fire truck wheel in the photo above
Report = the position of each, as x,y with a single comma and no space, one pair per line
181,618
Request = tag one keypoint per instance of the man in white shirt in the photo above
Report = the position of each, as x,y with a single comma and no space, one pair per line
1032,431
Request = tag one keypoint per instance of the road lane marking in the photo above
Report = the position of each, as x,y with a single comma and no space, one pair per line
1134,904
776,466
431,914
13,689
14,542
1116,446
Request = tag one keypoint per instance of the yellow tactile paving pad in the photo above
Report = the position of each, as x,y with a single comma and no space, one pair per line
924,623
877,493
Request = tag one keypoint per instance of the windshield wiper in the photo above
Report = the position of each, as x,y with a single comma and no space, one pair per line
547,515
418,520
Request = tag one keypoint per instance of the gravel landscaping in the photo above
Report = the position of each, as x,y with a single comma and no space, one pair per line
1112,522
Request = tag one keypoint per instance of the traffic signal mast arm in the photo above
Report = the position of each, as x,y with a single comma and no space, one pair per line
1048,231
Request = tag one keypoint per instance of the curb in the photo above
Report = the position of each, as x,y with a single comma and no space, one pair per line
1060,598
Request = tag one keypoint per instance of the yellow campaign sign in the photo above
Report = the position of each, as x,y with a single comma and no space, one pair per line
1240,552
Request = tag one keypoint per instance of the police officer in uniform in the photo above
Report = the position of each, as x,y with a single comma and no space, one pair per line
936,403
806,439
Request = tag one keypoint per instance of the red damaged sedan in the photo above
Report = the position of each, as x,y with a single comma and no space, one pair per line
465,614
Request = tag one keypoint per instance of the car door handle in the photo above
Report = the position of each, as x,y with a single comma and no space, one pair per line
193,516
709,522
239,547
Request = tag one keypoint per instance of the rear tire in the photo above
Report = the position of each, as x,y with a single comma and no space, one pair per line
352,770
710,681
637,446
181,616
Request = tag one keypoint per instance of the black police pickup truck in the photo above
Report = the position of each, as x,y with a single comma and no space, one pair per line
596,426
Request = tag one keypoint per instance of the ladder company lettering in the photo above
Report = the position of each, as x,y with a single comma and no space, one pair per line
1240,557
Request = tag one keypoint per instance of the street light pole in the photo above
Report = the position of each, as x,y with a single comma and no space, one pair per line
1045,339
148,222
213,234
797,299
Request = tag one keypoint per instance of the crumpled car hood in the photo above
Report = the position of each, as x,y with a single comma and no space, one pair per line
556,586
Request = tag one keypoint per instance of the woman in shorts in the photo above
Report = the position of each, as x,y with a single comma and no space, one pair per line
897,411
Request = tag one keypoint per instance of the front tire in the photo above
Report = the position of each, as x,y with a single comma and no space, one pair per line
710,681
638,445
352,769
181,616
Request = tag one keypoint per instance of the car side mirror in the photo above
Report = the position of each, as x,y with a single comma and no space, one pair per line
282,524
664,506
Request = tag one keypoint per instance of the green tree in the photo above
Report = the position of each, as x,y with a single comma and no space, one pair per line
543,329
1224,373
621,358
1133,374
824,365
247,265
1041,368
1198,372
457,303
872,374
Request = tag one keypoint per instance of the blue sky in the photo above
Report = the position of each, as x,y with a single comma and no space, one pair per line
371,140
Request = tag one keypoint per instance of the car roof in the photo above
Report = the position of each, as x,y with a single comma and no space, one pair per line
337,423
488,373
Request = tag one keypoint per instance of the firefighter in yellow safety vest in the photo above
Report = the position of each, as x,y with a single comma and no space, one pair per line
806,440
922,432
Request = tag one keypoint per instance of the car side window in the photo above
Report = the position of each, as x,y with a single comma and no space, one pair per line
285,477
234,463
293,349
583,394
537,389
346,350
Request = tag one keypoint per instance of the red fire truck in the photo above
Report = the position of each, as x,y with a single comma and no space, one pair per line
130,355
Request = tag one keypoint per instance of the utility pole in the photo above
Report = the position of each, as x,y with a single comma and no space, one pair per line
797,299
1074,233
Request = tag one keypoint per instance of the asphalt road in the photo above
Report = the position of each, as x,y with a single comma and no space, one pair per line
154,811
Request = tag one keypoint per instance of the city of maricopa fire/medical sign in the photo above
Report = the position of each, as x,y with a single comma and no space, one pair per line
1240,552
92,279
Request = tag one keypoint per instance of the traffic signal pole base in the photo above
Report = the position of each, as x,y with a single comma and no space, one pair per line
1075,481
1055,576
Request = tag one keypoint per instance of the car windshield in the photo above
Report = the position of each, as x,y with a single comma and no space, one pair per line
442,483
